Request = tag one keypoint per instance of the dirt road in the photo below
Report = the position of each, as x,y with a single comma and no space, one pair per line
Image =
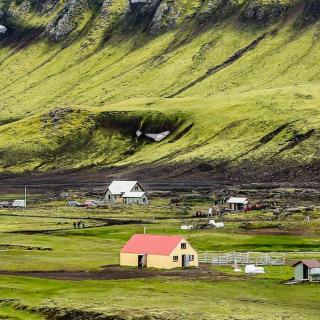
116,273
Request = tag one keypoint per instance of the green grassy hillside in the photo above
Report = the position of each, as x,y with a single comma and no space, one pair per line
235,82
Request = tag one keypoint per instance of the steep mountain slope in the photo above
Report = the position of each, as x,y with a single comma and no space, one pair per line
236,83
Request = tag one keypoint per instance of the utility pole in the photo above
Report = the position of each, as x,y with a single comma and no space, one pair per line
25,196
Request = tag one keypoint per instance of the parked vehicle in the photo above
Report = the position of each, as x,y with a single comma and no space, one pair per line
5,204
74,204
19,204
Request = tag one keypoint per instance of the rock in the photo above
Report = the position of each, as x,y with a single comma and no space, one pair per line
312,9
46,6
105,8
164,18
144,10
216,9
264,12
276,211
25,6
294,210
56,115
67,20
3,29
110,14
4,7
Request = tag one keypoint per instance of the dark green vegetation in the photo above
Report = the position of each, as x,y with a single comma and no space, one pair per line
235,82
42,238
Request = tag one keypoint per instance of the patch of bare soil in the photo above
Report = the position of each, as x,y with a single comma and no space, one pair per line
4,246
117,273
73,314
183,176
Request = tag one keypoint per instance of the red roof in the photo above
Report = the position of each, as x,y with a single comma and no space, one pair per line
309,263
151,244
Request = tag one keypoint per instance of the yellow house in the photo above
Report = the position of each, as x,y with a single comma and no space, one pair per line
157,251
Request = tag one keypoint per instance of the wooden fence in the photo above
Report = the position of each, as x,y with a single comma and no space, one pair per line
243,258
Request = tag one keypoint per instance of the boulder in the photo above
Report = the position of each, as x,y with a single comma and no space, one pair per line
164,18
312,9
67,20
265,11
4,7
3,29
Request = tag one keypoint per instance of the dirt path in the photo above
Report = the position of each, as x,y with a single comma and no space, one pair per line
107,222
117,273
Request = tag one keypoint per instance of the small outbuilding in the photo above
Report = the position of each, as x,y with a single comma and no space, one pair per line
158,251
237,204
135,197
307,270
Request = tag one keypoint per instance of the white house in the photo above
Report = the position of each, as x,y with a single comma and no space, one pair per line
126,192
236,204
307,270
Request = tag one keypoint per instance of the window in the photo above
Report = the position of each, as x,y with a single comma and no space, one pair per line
183,246
175,258
136,188
109,196
191,257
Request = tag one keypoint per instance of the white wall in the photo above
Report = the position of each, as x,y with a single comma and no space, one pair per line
142,200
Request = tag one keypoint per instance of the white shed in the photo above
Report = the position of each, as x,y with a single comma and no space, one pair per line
236,203
307,270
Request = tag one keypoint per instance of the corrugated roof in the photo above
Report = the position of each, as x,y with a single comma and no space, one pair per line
151,244
119,187
238,200
133,194
309,263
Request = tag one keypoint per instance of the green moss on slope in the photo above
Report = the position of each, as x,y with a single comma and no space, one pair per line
244,67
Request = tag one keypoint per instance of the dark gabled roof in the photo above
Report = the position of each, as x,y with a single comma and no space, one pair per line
309,263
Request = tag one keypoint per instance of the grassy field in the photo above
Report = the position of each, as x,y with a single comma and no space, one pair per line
50,226
26,236
251,299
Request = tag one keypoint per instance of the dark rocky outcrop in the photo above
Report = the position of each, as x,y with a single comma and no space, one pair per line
263,12
217,9
312,9
165,17
66,20
4,7
143,11
157,16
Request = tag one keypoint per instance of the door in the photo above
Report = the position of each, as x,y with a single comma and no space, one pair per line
305,273
184,261
140,260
